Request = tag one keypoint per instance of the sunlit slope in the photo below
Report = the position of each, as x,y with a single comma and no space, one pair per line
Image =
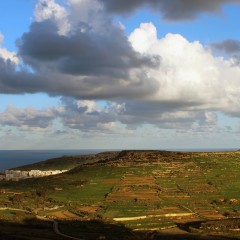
144,190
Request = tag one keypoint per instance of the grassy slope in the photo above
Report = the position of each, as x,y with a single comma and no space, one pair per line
67,162
143,183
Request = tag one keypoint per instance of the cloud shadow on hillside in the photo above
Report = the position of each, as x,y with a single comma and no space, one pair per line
32,228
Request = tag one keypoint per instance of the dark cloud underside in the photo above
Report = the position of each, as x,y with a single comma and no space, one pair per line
81,53
228,46
170,9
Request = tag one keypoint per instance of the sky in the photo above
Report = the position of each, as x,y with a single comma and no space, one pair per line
119,74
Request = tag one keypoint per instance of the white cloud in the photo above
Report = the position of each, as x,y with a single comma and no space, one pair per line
49,9
76,15
91,106
90,12
183,91
189,73
143,37
7,55
90,119
28,119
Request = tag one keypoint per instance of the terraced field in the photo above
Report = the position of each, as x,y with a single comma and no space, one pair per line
138,195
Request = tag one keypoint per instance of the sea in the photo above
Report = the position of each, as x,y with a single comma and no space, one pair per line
15,158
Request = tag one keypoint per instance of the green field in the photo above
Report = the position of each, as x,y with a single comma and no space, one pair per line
137,192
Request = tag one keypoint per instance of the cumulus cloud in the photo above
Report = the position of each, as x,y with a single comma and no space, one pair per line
5,54
171,72
93,59
46,9
87,115
86,65
168,82
28,119
13,81
83,116
170,10
90,118
49,9
189,74
82,53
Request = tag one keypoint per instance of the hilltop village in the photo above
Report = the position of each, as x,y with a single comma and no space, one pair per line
16,175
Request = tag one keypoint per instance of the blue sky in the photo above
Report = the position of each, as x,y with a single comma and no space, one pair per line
108,74
207,28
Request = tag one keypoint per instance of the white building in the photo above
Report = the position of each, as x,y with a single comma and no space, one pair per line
16,175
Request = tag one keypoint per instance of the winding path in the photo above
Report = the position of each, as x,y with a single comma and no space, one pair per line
55,223
56,230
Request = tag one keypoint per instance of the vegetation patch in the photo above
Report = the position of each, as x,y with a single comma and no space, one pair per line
156,190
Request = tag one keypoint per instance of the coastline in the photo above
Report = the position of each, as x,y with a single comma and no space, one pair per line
15,158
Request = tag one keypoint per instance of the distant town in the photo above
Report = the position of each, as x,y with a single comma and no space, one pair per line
16,175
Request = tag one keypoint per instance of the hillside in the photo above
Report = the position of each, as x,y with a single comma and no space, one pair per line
132,195
67,162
